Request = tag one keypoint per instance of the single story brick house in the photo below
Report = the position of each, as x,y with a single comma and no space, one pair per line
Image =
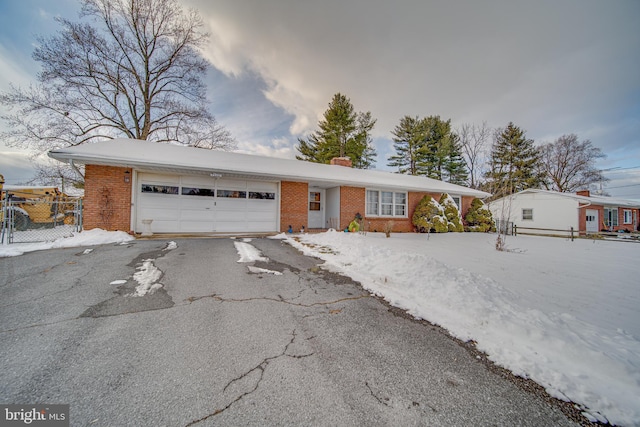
553,210
191,190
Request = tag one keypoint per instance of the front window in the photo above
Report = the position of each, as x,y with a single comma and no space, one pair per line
372,202
611,217
527,214
314,201
627,216
386,203
458,201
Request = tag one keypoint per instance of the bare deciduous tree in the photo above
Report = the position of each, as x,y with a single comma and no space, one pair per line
474,139
131,68
569,165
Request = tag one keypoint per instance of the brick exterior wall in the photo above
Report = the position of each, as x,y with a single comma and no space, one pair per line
107,198
582,219
294,197
352,201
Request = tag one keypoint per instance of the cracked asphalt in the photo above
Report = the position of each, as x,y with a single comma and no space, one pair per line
221,345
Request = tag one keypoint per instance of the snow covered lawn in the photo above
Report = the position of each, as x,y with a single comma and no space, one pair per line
565,314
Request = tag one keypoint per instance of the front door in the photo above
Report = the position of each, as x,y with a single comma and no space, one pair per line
592,221
316,208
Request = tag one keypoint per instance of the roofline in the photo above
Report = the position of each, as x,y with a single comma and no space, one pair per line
592,200
120,161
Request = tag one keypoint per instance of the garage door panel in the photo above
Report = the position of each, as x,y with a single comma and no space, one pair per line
161,226
159,214
239,211
197,215
196,226
158,178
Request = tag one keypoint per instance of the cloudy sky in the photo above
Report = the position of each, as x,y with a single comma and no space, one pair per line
552,67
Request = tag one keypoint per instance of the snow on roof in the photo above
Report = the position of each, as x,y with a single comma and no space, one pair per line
152,155
592,200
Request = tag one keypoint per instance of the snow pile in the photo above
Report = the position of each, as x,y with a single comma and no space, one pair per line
535,312
92,237
248,253
147,277
171,246
258,270
280,236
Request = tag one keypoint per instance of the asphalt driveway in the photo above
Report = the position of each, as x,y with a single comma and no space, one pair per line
282,343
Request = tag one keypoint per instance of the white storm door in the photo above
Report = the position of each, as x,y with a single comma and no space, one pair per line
592,221
316,208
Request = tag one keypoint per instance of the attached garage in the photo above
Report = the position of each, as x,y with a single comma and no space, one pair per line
196,203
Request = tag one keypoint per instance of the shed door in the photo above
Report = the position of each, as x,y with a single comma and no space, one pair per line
592,221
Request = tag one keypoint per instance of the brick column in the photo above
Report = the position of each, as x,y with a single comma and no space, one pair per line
107,198
294,199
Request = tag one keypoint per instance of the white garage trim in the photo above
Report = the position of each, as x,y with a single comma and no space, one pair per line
204,204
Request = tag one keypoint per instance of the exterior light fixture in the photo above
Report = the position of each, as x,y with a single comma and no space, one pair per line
127,176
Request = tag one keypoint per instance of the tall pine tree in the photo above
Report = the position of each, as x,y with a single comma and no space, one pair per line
409,139
428,147
455,169
342,133
513,164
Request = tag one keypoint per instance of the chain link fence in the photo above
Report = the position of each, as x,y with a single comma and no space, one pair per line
39,220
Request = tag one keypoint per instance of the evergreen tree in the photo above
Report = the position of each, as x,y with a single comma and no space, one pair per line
429,216
428,147
513,164
342,133
451,213
437,146
478,217
409,139
456,168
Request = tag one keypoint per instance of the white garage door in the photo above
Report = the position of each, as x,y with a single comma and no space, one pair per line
204,204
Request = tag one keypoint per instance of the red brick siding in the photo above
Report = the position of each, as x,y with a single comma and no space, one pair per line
582,219
352,201
294,197
107,198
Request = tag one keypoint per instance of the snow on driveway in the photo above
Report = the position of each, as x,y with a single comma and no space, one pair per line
565,314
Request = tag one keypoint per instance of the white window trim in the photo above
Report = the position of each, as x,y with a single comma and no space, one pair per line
393,204
627,212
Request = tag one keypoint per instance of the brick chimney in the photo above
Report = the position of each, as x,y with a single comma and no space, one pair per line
583,193
341,161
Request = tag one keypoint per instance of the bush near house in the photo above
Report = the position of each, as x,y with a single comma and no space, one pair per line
451,213
429,216
479,217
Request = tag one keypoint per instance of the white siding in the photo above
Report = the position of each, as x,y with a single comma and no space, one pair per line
333,206
550,211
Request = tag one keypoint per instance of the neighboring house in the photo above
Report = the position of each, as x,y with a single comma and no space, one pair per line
192,190
552,210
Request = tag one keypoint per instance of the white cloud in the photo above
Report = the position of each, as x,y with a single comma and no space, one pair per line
549,67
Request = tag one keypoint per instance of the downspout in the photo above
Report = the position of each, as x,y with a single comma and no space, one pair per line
75,168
